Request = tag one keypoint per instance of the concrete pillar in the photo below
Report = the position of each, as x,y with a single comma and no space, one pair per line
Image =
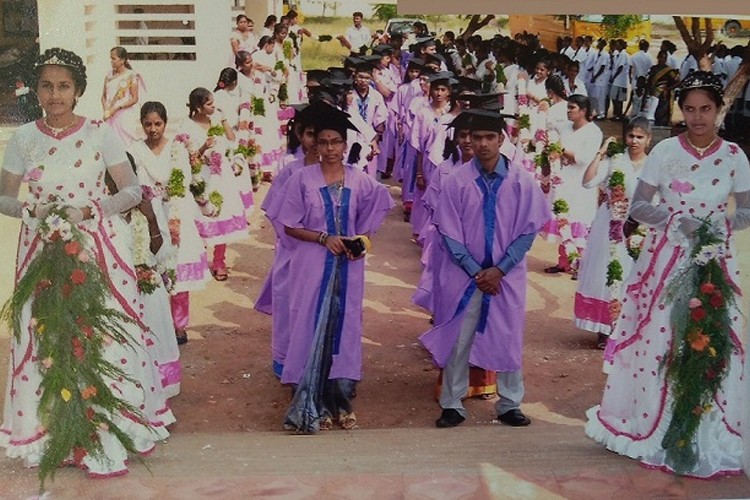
259,10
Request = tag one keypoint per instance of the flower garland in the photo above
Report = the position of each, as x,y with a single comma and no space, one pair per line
560,207
283,94
71,326
701,296
247,148
549,160
197,182
258,106
215,131
618,204
145,262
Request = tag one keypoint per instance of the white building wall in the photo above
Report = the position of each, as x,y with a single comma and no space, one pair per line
258,10
90,28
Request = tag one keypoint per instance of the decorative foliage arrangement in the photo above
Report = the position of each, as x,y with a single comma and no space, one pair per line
560,207
72,325
615,148
283,93
259,107
248,149
176,183
288,50
215,130
701,297
211,160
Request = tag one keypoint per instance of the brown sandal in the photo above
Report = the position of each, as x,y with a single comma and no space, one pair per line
181,335
326,423
348,421
219,274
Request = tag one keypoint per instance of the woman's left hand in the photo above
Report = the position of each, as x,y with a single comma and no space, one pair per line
336,246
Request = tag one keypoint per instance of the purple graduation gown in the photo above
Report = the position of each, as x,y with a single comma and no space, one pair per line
277,281
520,209
365,205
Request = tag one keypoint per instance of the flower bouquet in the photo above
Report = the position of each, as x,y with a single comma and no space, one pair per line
71,324
701,296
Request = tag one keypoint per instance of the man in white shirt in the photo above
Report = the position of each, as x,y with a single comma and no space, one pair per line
580,50
732,61
600,80
640,63
618,80
357,36
566,49
689,64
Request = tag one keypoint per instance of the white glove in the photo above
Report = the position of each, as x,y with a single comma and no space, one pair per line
688,226
42,210
74,215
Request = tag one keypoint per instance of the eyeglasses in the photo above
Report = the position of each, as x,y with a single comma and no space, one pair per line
333,142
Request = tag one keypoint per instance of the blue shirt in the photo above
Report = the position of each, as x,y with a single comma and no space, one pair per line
515,252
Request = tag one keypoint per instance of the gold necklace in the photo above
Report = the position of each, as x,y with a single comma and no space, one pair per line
700,151
59,130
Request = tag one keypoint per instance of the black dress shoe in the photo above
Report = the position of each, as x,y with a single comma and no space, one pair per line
514,418
449,418
554,270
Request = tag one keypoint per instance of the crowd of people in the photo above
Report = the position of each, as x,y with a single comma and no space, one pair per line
492,142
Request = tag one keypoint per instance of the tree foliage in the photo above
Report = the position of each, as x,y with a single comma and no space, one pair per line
384,11
618,26
476,23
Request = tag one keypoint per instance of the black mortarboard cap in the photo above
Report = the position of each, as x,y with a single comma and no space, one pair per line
372,59
382,49
490,102
481,119
318,75
352,61
468,84
326,117
337,72
434,59
415,63
444,77
460,122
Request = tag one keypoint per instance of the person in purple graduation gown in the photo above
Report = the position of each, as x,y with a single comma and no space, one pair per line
488,213
277,282
326,207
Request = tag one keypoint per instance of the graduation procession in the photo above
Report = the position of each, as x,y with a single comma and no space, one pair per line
435,232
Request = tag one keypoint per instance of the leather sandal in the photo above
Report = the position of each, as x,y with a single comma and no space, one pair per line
182,337
348,421
554,270
219,274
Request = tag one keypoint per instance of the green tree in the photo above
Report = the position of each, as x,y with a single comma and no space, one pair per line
618,26
384,11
